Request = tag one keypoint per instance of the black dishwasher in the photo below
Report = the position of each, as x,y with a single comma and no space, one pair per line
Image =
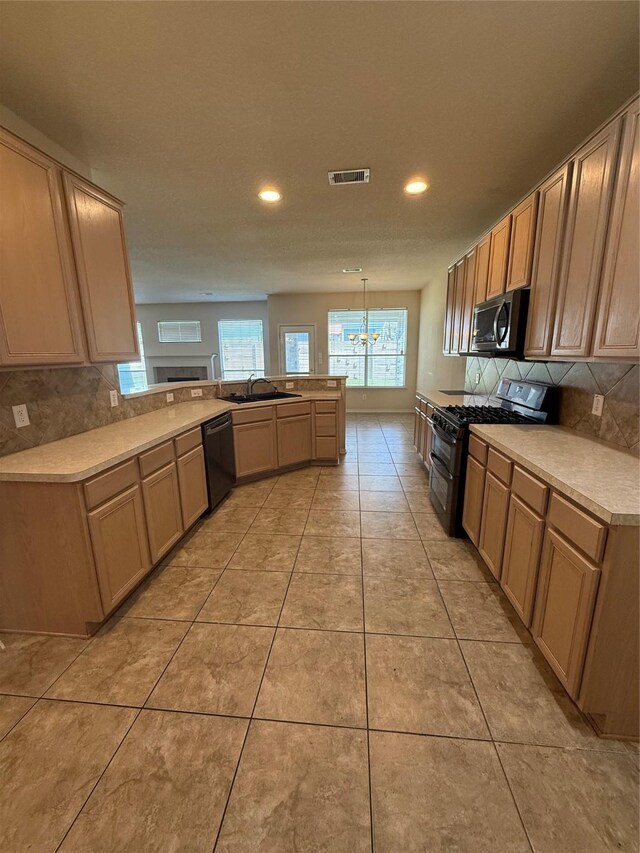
217,438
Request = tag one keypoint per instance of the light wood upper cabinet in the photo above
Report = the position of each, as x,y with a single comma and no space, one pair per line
119,539
449,310
39,316
523,542
192,478
564,607
498,257
523,230
618,326
587,220
473,498
552,214
468,301
458,305
483,250
102,262
162,509
294,440
494,523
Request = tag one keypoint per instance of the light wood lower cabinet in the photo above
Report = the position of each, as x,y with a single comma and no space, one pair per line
294,440
162,508
494,523
192,478
119,540
523,542
255,448
564,607
473,499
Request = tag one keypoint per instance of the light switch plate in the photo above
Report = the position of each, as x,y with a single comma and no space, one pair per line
21,415
196,392
598,403
169,396
113,398
477,377
288,384
331,383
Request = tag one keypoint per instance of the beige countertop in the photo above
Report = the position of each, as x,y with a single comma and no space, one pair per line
440,399
78,457
600,478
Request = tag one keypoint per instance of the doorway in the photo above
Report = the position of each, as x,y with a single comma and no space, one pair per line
297,349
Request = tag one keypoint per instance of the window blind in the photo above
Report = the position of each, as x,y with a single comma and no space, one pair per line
133,374
179,331
379,365
241,348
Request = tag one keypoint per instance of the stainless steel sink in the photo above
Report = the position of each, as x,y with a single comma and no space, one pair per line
256,398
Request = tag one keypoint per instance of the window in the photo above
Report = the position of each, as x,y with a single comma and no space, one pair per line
241,348
133,375
179,332
379,365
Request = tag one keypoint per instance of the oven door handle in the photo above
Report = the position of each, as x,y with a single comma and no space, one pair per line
441,434
439,466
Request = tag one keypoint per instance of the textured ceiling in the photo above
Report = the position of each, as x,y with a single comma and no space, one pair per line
184,109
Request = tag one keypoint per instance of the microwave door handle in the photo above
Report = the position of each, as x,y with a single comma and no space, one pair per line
500,339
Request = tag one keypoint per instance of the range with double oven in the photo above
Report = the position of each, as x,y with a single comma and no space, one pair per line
516,402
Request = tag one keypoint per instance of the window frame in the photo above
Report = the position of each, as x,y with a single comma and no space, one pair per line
128,364
196,323
368,352
258,371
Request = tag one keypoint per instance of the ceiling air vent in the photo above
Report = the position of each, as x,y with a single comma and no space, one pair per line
349,176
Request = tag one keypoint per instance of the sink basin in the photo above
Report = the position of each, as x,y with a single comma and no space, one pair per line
256,398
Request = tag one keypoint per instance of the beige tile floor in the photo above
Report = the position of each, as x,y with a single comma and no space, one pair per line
318,668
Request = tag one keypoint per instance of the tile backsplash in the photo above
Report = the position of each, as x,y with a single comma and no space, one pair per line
578,381
70,400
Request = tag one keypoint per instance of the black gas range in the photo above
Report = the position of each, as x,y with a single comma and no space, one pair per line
516,402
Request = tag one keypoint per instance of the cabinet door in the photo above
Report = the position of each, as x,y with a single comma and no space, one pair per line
424,430
468,301
523,231
458,304
495,506
483,250
473,497
428,437
39,318
416,428
448,314
587,221
498,257
97,232
521,561
552,218
255,448
162,508
192,478
294,440
618,324
119,540
564,606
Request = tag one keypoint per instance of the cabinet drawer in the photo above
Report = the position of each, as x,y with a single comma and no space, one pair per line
252,416
326,448
531,491
478,449
105,486
499,465
326,406
293,410
156,458
188,440
326,425
584,531
423,406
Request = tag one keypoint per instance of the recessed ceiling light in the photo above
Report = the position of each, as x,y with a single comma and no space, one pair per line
270,195
352,269
416,187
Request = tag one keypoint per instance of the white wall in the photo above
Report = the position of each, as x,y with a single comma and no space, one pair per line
436,371
313,308
208,313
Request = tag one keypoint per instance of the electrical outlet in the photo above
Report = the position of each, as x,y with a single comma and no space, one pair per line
288,384
364,396
21,415
113,398
331,383
477,377
598,403
196,392
169,396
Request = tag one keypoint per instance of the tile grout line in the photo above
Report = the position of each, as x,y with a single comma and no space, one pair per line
366,686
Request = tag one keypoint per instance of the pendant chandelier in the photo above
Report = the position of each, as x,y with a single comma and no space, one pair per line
363,337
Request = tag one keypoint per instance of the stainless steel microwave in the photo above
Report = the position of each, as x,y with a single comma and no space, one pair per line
499,324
